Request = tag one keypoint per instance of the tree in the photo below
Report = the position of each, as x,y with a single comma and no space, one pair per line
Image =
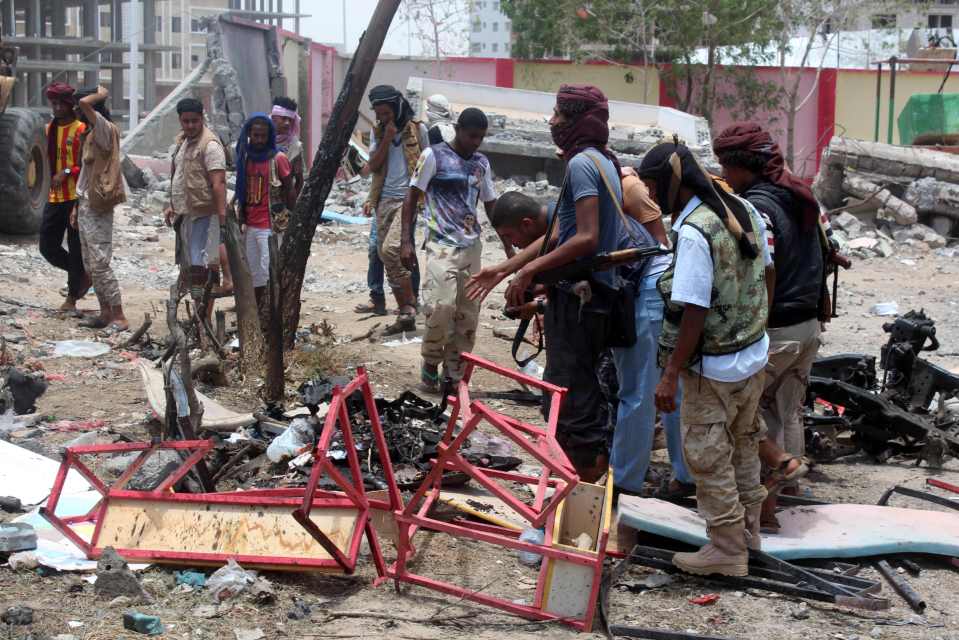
440,25
668,34
306,215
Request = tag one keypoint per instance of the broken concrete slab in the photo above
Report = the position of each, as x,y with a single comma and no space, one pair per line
821,531
114,578
17,536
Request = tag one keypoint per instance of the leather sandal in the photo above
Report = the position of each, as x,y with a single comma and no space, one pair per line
375,307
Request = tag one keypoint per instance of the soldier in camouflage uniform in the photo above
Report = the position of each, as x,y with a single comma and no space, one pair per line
714,337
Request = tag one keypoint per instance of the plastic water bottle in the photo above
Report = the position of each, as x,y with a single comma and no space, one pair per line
532,536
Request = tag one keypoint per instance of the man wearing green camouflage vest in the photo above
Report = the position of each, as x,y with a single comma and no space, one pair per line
714,338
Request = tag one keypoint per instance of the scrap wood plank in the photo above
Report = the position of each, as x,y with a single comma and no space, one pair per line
161,529
820,531
215,416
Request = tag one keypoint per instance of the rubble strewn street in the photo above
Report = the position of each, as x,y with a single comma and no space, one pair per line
304,342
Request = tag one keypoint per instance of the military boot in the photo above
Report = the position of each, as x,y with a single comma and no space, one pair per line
725,553
753,518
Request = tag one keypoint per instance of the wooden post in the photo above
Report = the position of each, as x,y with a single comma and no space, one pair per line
247,315
336,136
275,381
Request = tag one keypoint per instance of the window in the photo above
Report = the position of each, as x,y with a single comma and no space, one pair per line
884,21
477,27
195,59
495,47
106,19
506,47
176,60
175,24
946,2
495,26
475,47
159,24
940,21
507,26
196,26
495,5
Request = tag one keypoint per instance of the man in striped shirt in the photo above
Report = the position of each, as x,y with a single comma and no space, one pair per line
63,149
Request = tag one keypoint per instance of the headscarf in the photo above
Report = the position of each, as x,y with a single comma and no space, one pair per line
388,95
672,165
283,140
749,136
588,125
244,152
65,93
438,110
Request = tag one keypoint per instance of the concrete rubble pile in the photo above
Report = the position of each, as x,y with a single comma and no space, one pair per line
885,198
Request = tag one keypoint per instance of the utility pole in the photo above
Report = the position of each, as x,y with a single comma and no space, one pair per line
346,47
136,27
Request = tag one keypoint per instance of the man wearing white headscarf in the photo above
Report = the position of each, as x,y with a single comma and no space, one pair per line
439,119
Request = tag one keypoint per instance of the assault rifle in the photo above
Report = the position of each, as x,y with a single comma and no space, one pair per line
581,269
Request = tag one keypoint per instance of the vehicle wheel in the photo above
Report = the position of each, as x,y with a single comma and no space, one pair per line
25,173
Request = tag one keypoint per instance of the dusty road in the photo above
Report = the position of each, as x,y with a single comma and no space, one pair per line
108,388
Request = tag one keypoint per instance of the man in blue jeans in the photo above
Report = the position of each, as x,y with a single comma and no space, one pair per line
521,221
375,274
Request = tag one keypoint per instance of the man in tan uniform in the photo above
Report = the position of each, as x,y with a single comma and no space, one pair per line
100,189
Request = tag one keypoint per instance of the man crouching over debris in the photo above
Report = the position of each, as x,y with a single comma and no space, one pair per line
755,168
100,189
197,198
714,337
454,178
265,191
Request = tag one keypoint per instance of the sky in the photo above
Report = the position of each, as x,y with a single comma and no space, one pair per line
326,25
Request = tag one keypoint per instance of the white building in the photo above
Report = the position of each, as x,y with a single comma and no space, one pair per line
489,29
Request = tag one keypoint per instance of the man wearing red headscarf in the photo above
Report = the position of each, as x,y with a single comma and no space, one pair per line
755,168
588,221
64,138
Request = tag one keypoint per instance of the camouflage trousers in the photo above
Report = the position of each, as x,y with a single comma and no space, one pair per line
389,234
721,432
96,242
451,317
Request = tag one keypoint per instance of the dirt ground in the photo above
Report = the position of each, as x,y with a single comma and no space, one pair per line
109,388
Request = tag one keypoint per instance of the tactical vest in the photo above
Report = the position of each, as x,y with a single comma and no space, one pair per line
199,188
411,149
738,306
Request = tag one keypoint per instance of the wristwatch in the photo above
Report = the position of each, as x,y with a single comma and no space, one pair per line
68,171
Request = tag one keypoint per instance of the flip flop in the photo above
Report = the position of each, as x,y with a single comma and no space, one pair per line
371,308
94,323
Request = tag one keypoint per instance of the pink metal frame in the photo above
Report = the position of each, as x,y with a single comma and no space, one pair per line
302,501
557,473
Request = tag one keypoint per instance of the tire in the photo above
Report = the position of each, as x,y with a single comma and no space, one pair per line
24,173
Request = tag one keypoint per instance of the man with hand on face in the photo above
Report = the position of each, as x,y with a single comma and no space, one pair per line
63,149
197,197
395,146
264,193
100,189
454,178
714,337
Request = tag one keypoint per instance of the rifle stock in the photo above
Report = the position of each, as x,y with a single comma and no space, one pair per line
581,269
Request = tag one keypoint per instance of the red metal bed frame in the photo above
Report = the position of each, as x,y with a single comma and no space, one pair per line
557,475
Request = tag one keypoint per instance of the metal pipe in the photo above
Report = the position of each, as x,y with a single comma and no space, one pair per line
892,98
900,586
878,99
